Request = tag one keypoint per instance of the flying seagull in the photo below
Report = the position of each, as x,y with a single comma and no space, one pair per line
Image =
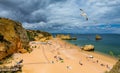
84,14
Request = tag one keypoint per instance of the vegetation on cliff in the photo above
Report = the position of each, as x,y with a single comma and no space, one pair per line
37,35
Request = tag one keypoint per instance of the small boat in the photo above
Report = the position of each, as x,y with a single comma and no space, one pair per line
98,37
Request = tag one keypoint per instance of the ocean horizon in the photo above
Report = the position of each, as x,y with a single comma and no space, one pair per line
110,43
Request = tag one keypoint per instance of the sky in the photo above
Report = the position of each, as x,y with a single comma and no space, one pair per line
64,16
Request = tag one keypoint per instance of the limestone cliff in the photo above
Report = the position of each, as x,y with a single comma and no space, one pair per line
65,37
116,68
13,37
36,35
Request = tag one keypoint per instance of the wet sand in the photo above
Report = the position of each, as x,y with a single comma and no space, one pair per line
58,56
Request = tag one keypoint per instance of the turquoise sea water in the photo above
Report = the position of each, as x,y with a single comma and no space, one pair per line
110,43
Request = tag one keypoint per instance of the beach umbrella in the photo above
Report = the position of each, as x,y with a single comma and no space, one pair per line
84,14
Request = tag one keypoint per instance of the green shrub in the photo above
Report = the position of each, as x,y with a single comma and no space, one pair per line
111,53
1,62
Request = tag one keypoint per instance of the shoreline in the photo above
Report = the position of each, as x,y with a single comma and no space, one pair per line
97,52
106,55
60,56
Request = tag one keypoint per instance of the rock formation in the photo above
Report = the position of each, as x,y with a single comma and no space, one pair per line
98,37
36,35
116,68
88,47
13,37
65,37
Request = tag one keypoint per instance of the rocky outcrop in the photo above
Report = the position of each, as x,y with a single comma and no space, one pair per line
88,48
98,37
13,37
116,68
65,37
36,35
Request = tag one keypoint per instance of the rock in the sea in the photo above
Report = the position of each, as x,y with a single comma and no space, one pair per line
88,47
13,37
98,37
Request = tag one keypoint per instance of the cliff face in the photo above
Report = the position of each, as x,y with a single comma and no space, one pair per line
116,68
36,35
65,37
13,37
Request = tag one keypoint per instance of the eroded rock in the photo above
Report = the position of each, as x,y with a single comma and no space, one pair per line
88,47
13,37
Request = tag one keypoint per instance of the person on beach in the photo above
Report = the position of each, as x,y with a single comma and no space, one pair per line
58,59
96,61
52,62
102,64
69,67
80,63
108,67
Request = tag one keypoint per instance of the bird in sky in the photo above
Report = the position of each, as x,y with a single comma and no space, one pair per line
84,14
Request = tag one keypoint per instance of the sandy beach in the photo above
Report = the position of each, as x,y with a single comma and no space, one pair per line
58,56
